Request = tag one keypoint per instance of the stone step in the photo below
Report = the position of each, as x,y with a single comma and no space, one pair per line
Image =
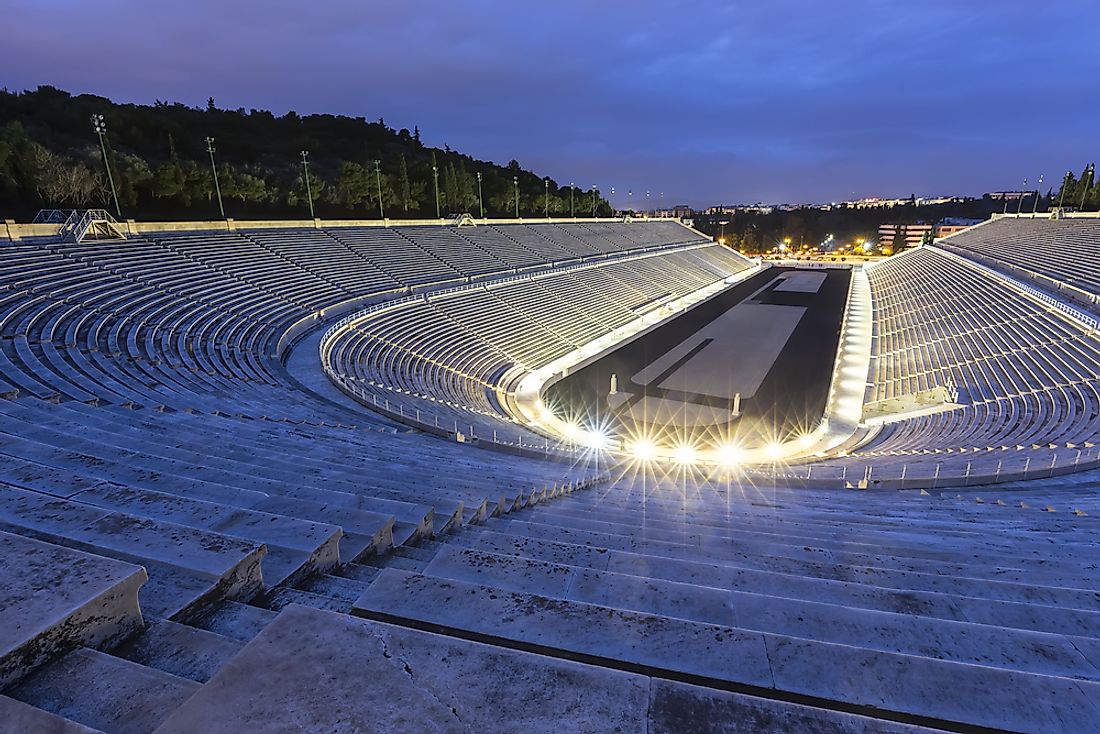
384,678
423,551
762,558
104,692
231,563
956,692
295,547
850,550
179,649
391,560
17,717
235,620
280,598
53,599
337,587
363,531
1035,652
676,707
911,532
359,572
1013,606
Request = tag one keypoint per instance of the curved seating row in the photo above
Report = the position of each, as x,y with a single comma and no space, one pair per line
443,354
1059,253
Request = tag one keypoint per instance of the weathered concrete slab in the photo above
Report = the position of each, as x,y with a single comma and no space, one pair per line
311,670
970,694
683,646
678,708
17,717
104,692
54,598
232,562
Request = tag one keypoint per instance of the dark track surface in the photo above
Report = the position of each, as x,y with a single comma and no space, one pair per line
791,398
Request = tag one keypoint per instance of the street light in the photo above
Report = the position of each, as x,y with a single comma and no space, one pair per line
210,149
1084,185
515,188
100,128
378,181
1020,201
647,203
309,187
480,200
593,201
722,236
1065,185
1035,205
546,194
572,213
435,179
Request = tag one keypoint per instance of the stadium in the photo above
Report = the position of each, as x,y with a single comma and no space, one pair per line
242,459
540,368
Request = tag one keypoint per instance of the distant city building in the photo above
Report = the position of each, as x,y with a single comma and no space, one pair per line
875,202
914,234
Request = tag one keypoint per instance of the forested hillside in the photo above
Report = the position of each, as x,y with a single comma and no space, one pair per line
50,157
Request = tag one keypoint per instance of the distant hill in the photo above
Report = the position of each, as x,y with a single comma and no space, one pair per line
50,158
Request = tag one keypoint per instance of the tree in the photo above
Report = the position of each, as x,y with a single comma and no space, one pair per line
404,187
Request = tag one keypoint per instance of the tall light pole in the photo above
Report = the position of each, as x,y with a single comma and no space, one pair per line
1020,202
572,212
722,237
100,128
546,197
309,186
214,169
480,199
1085,186
1065,185
1035,205
515,190
647,205
593,201
435,179
378,181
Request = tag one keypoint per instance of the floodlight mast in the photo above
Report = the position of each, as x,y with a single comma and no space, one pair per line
515,188
309,188
1084,186
214,169
378,181
100,127
435,180
480,198
1035,204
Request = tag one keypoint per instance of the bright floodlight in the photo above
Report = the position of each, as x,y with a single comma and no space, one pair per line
594,440
729,455
684,454
644,450
775,450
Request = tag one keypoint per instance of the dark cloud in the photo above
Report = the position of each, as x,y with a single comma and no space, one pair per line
795,100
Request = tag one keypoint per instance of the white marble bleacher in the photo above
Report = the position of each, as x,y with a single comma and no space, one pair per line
441,355
1027,376
395,254
320,253
1060,252
932,606
231,486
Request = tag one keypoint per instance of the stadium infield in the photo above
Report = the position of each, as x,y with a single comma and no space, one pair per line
772,339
